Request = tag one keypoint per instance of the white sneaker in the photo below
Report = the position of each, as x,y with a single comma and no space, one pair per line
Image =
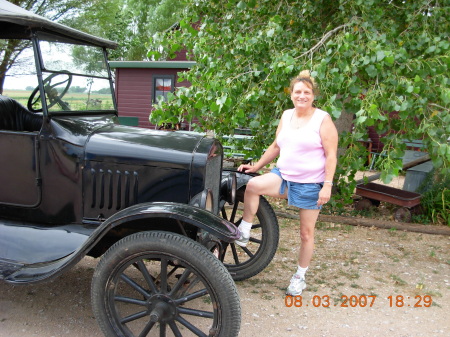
296,286
242,241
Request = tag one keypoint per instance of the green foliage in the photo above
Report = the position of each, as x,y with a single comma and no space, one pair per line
371,57
77,89
129,22
53,10
89,60
103,91
436,200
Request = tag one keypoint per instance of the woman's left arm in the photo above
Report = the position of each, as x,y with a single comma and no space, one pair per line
329,136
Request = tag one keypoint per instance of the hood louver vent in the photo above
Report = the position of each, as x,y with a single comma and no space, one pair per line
113,190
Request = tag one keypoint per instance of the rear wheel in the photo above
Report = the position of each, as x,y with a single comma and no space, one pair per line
245,262
158,284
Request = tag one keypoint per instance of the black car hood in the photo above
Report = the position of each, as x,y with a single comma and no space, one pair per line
138,146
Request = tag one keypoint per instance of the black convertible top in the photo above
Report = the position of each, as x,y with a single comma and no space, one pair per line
18,23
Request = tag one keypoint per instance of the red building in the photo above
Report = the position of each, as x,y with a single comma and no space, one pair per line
139,84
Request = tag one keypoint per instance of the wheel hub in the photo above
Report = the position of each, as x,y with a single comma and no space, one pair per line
162,308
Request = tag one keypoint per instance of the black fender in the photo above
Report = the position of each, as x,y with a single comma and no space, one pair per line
201,218
88,238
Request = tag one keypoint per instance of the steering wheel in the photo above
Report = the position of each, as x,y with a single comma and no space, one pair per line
53,95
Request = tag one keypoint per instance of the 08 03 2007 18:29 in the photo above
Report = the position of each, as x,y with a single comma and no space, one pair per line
358,301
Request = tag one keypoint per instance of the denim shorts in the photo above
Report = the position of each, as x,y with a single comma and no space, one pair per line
300,195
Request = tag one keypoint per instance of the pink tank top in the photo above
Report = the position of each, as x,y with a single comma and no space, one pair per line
302,157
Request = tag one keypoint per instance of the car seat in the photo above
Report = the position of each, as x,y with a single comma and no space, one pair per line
15,117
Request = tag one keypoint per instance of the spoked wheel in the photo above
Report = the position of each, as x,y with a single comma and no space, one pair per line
245,262
164,284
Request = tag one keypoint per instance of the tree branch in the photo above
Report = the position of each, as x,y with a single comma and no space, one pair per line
323,40
438,106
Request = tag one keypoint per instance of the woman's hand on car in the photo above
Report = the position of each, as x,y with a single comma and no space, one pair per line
247,168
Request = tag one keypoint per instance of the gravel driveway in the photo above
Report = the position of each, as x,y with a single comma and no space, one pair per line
354,287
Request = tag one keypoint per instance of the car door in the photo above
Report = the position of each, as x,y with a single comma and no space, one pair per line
19,169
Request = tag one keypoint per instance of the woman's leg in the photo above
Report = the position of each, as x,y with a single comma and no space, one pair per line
308,218
267,184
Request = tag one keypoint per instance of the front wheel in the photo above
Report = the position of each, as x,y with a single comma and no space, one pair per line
245,262
160,283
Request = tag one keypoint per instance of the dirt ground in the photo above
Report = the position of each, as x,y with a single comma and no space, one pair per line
362,282
351,264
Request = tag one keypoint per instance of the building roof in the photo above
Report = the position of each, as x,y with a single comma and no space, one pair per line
153,64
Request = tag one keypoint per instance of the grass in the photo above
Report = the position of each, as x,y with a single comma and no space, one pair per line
397,280
327,226
267,297
351,274
436,200
77,101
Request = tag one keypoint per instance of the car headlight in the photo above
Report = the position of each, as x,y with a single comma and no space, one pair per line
204,200
228,188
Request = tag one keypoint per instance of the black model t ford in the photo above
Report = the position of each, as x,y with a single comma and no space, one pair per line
156,206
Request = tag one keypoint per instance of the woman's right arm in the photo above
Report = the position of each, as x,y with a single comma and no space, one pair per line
269,155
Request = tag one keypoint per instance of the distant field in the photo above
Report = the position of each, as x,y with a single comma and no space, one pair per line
77,101
19,95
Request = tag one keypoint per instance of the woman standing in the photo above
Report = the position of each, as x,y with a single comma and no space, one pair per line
306,144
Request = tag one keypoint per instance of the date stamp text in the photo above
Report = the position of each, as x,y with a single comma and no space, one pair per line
362,301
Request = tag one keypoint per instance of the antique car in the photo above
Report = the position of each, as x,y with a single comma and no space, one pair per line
155,206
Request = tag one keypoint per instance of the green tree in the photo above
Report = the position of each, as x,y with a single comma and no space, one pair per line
129,22
371,57
77,89
54,10
103,91
147,18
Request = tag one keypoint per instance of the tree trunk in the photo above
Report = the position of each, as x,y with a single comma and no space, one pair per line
344,124
3,70
13,49
2,81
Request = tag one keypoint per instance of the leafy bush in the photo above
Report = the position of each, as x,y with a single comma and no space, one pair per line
436,200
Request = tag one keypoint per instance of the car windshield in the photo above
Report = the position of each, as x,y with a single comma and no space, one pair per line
75,79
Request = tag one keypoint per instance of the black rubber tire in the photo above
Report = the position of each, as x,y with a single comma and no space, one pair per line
148,283
366,204
245,262
402,214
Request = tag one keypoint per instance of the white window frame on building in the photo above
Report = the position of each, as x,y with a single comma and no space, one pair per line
162,84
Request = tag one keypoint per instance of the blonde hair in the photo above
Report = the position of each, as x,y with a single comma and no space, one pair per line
305,77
